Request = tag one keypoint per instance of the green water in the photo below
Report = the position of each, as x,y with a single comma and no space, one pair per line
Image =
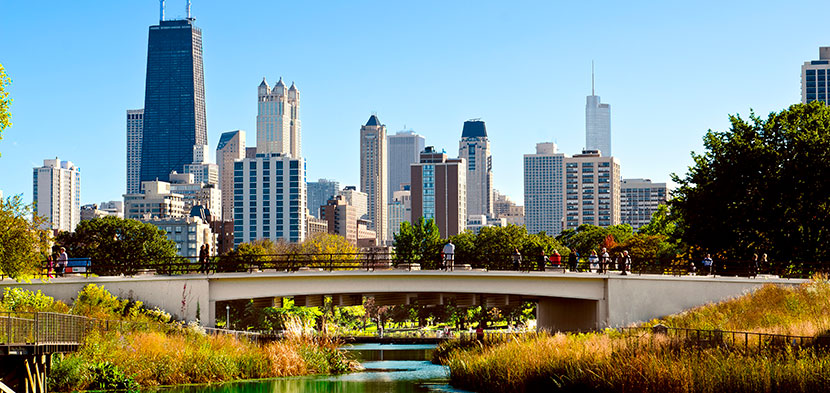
389,368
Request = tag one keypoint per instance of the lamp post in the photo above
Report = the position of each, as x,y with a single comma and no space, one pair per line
228,317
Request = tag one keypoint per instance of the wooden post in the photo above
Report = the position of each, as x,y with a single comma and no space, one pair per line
29,381
38,379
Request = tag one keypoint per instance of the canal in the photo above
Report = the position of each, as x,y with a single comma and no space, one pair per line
388,368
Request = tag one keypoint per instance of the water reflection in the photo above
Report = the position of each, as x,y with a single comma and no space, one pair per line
388,368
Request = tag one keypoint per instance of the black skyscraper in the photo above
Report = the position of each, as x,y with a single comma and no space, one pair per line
174,99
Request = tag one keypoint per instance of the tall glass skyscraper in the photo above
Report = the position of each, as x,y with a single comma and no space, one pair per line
174,99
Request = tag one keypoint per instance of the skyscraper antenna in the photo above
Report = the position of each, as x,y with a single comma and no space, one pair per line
188,9
592,78
161,10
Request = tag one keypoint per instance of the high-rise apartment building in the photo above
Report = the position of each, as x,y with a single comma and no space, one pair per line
544,184
57,194
639,200
174,98
373,176
474,147
269,198
231,147
405,149
815,75
278,119
439,191
319,193
597,123
592,190
135,130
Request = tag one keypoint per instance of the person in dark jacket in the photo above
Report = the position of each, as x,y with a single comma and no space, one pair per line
573,260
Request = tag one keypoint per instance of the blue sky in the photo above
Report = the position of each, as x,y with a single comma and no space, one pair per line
670,70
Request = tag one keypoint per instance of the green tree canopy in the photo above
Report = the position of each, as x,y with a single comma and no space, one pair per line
126,245
761,187
24,243
419,243
587,238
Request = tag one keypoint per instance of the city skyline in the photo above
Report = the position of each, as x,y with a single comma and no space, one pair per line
641,121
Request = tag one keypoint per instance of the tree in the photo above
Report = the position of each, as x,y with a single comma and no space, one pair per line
587,238
24,243
761,187
5,101
116,245
419,243
497,244
328,247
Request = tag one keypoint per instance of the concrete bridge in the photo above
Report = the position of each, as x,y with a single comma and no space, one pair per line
566,301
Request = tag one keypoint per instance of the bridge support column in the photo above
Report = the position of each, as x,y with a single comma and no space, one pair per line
561,314
211,319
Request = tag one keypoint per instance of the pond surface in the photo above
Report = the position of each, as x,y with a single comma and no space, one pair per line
389,368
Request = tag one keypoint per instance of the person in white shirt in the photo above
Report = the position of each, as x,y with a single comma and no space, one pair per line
449,256
63,259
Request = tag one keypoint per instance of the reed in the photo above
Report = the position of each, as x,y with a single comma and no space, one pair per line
611,362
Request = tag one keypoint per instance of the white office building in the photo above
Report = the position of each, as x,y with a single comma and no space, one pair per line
231,147
639,200
373,175
278,119
57,194
156,200
544,184
474,147
135,131
405,149
269,198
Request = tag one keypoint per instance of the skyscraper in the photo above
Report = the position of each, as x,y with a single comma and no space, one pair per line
373,177
439,191
174,98
475,149
231,147
405,147
814,78
544,178
56,189
135,129
319,193
597,123
269,198
593,190
278,119
639,200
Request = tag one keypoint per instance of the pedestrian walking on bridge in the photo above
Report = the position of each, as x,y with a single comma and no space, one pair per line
449,256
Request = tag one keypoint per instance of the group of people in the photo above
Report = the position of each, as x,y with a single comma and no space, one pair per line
601,263
56,263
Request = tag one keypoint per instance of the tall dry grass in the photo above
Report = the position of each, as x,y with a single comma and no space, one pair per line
153,358
602,363
803,310
609,362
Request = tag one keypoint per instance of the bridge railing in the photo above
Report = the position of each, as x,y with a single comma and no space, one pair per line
370,261
42,328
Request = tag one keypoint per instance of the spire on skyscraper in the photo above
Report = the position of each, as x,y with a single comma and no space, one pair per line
373,121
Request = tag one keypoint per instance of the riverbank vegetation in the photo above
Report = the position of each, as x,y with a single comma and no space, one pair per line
611,362
143,347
